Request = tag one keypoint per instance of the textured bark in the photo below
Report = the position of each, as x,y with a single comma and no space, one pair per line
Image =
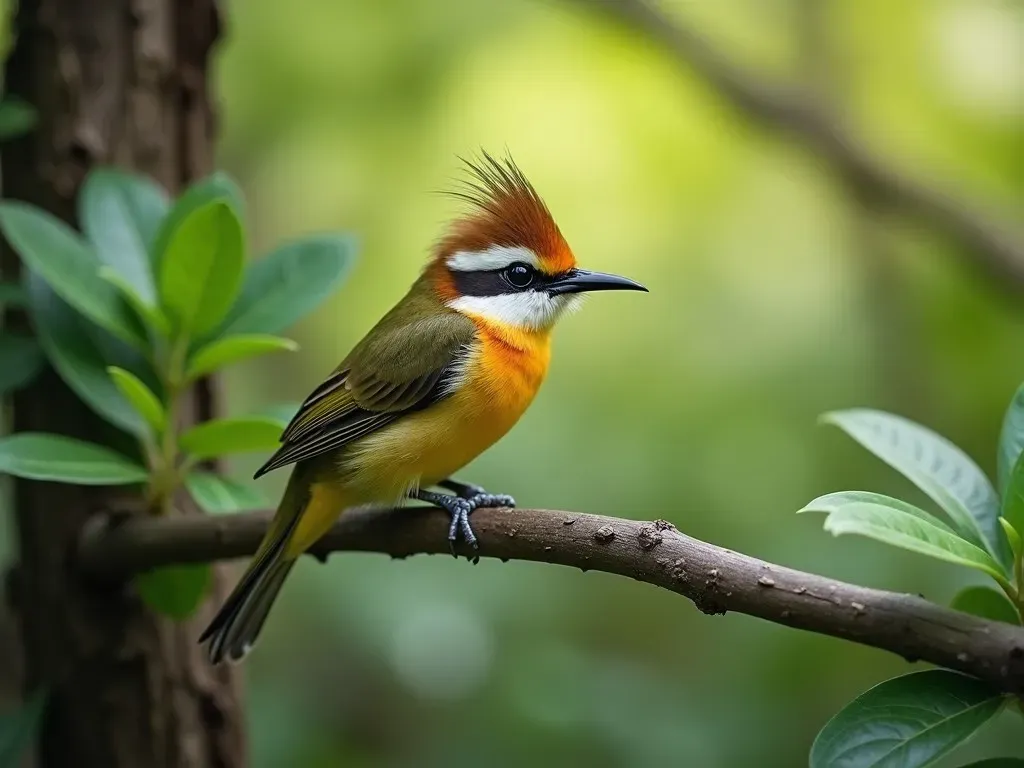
120,82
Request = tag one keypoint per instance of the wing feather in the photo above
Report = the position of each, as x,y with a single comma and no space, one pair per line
405,364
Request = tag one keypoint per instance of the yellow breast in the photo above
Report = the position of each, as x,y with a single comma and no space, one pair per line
503,373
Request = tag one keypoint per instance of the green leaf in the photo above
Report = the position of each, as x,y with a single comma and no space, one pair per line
997,762
150,314
202,268
900,524
831,502
217,495
233,349
60,459
141,397
938,468
17,117
907,722
77,358
217,186
120,214
1012,536
67,263
237,435
1013,496
1011,439
12,295
986,603
289,283
18,729
21,360
175,590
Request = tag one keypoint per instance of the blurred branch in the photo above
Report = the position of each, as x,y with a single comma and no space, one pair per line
994,246
823,66
715,579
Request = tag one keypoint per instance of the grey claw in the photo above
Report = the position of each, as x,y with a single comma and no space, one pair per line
467,532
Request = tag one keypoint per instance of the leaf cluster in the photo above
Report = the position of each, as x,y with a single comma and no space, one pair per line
914,720
149,297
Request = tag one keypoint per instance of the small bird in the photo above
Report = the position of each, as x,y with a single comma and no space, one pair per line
440,378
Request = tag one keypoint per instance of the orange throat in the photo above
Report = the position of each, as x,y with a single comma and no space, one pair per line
513,361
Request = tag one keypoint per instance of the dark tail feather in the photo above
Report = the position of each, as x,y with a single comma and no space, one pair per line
238,623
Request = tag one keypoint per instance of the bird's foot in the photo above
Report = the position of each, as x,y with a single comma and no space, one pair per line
469,498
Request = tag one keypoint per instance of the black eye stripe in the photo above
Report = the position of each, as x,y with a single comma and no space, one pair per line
482,283
491,282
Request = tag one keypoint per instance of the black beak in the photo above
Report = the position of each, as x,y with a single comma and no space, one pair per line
580,280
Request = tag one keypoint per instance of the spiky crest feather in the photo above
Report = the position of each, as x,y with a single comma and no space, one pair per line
507,211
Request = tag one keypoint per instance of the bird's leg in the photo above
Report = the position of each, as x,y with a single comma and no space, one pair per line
461,506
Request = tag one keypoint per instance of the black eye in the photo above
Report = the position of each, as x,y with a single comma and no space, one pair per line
519,275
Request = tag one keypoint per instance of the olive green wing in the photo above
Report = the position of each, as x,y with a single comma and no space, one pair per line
403,365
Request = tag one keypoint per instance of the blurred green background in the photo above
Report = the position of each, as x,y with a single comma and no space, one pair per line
774,297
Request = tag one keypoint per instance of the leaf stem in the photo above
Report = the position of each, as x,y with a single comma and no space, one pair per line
166,477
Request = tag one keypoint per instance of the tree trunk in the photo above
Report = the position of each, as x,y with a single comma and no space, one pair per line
121,82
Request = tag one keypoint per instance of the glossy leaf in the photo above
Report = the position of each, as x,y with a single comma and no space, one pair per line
1013,496
938,468
232,349
19,728
238,435
60,459
997,762
217,186
175,590
21,360
1011,439
986,603
141,397
906,722
77,358
150,314
831,502
202,268
289,283
12,295
69,265
219,495
17,117
891,522
120,215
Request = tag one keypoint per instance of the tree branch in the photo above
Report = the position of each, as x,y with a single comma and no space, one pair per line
715,579
995,246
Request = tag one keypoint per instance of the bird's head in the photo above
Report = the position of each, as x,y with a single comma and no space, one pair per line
505,262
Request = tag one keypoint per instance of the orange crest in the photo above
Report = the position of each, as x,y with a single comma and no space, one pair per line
507,212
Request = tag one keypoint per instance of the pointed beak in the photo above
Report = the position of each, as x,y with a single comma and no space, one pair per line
581,280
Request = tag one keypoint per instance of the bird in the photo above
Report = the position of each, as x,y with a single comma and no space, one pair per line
439,379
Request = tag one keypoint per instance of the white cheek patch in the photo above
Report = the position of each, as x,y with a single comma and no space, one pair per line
495,257
530,310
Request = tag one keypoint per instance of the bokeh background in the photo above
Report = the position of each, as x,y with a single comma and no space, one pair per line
775,296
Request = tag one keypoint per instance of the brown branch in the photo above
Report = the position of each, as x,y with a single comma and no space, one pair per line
715,579
993,245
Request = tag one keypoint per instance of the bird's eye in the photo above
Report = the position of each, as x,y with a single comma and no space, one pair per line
519,275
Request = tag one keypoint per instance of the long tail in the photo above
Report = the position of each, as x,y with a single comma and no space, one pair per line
238,623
